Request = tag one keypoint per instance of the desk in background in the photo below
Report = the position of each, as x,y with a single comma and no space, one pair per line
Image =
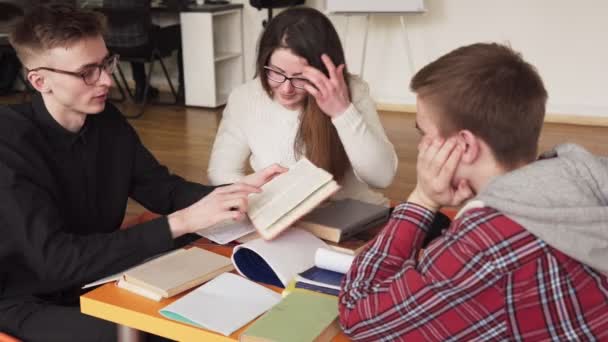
111,303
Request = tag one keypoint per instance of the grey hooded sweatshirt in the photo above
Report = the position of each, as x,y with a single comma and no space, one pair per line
562,200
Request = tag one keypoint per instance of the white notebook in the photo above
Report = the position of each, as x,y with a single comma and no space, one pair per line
223,304
276,262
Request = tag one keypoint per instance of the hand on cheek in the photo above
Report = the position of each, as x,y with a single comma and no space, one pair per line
436,166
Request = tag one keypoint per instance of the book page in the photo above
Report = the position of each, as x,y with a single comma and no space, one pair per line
285,192
227,231
290,217
123,284
333,260
223,304
286,256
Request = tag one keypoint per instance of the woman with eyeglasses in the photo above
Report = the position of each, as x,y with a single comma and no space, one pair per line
304,103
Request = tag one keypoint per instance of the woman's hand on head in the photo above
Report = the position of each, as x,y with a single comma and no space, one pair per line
330,93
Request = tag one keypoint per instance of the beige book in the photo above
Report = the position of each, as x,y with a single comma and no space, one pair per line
288,197
175,272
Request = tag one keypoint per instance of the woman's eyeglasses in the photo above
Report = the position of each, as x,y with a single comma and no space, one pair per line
91,73
278,77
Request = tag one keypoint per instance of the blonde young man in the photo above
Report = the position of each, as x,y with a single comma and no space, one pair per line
68,163
527,259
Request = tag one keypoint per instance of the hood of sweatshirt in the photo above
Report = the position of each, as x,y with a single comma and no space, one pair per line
562,199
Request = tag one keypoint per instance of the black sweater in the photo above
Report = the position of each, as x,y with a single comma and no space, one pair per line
63,197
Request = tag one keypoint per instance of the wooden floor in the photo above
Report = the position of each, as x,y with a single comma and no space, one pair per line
181,138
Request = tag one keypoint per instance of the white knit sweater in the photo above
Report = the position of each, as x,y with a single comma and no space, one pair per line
255,127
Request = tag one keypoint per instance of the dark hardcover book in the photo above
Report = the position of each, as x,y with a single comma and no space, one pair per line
316,288
339,220
320,275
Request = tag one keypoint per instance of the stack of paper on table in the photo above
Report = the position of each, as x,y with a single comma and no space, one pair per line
327,273
288,197
224,304
174,272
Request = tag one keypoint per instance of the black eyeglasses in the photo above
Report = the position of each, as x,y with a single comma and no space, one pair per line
91,73
276,76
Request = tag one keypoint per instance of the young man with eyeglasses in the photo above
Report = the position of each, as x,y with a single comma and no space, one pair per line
68,163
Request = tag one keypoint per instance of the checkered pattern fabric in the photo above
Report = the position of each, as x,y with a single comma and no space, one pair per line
485,279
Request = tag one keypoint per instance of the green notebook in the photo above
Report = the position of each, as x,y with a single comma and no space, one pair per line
302,316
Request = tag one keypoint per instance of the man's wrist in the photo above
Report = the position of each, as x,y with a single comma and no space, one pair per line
422,201
177,224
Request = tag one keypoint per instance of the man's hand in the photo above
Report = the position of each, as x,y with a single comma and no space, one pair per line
224,203
263,176
435,167
330,93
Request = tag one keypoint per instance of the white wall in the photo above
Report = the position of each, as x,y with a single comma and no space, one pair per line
566,40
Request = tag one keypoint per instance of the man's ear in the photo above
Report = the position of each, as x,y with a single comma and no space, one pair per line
471,146
38,81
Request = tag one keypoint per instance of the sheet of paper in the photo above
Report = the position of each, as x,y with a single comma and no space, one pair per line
332,260
227,231
223,304
113,277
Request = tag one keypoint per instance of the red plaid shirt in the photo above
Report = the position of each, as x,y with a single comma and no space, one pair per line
485,278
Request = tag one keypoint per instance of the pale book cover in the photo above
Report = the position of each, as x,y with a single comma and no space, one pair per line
288,197
175,272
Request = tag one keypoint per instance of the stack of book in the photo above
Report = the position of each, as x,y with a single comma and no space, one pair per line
327,273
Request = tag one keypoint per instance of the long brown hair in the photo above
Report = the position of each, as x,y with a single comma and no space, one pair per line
492,91
308,33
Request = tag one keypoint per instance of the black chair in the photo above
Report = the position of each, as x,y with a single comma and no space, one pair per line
272,4
147,47
10,11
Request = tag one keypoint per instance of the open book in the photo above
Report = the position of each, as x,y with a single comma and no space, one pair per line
173,273
223,304
288,197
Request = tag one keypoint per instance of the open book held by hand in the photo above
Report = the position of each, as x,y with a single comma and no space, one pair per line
288,197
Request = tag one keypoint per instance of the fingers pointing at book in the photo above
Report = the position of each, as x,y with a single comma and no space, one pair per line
263,176
224,203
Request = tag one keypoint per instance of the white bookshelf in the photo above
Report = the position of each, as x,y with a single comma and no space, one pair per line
212,43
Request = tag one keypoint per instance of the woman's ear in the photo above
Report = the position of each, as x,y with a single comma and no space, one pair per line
471,146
